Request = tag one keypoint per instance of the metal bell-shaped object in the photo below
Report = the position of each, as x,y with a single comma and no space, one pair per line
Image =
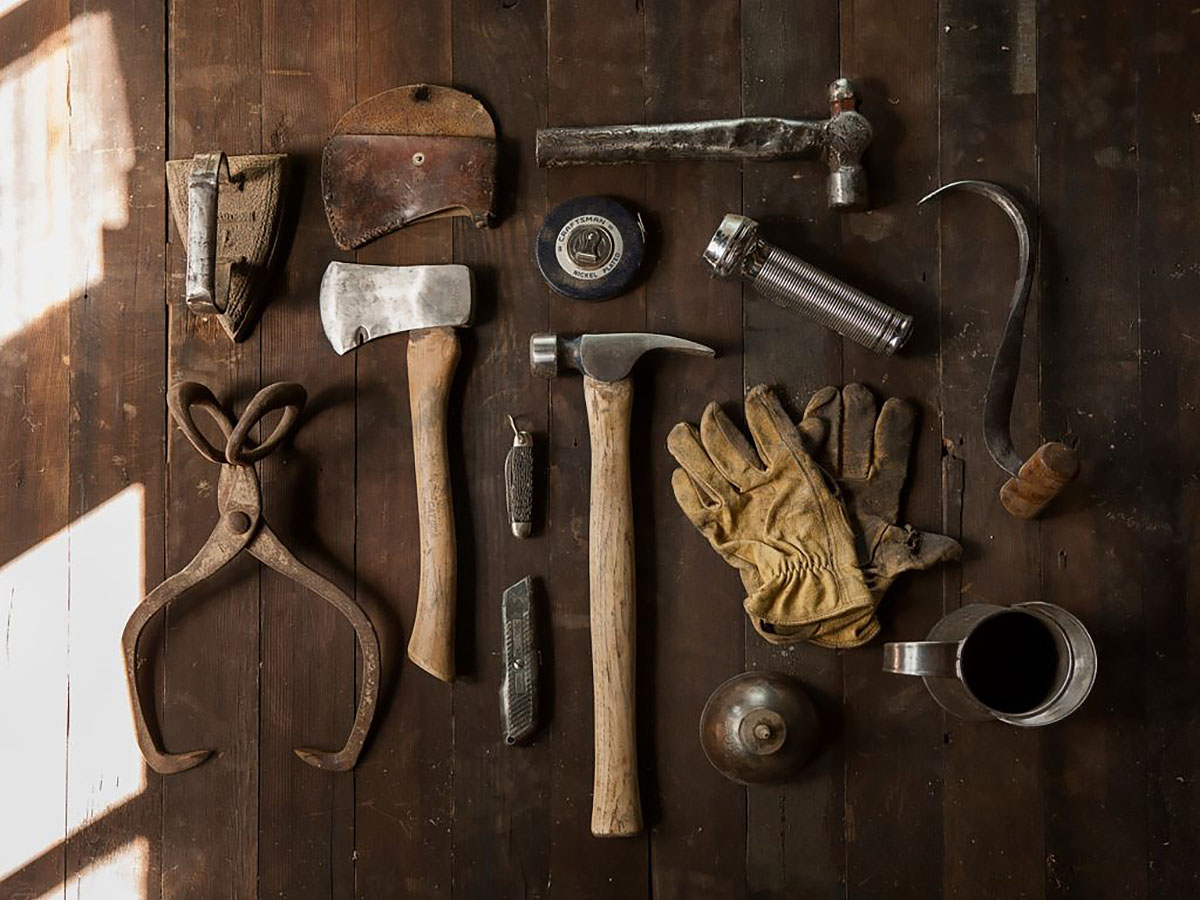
759,728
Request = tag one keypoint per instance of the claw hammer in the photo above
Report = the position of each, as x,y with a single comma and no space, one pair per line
606,361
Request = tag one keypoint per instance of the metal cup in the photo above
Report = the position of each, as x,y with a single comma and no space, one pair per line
970,653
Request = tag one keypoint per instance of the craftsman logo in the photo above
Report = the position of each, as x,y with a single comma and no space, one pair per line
589,247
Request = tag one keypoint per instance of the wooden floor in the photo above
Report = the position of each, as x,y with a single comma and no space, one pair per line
1085,109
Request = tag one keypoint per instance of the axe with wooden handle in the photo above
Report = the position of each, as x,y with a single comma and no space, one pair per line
360,303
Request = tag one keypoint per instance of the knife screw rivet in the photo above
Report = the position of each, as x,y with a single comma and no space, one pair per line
516,664
418,159
239,522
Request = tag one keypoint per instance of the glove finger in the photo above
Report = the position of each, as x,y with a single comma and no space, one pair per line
823,416
894,432
858,431
728,448
775,435
905,549
690,499
813,432
684,444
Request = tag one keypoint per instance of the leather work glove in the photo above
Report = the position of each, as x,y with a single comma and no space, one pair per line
868,455
774,515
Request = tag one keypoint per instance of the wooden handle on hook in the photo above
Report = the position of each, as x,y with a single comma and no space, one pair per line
1041,478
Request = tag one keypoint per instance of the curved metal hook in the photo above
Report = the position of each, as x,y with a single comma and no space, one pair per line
1002,383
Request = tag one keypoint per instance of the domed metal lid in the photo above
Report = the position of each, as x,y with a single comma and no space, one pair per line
759,727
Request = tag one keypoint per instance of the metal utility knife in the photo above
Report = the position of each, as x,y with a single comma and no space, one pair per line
518,482
518,689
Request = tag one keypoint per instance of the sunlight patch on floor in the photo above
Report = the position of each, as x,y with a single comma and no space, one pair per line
62,684
63,177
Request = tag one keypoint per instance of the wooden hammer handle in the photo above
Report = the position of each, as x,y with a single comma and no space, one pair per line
616,808
1041,478
432,356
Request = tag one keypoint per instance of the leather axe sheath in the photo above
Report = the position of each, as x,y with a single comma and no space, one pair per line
410,153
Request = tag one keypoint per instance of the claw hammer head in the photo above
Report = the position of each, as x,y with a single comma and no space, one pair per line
604,357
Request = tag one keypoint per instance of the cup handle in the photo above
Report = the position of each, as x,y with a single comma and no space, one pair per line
937,659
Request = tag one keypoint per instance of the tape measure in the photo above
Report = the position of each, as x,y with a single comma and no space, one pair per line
590,248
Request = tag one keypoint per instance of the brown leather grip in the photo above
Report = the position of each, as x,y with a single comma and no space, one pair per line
616,808
432,356
1041,478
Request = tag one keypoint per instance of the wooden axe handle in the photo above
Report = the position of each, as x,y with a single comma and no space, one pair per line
1041,478
432,355
616,808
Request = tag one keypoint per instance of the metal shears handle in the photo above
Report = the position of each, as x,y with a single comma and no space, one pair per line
239,450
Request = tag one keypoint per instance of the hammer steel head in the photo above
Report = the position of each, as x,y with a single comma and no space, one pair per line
360,303
605,357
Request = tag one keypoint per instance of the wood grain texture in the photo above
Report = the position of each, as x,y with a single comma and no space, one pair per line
433,355
612,591
1075,106
989,116
581,866
210,827
689,625
307,649
795,833
404,785
1169,505
893,733
1093,780
117,441
503,825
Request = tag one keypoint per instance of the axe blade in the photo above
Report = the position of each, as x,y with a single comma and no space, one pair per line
360,303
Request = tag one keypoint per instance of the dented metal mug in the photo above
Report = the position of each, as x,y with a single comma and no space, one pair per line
1028,664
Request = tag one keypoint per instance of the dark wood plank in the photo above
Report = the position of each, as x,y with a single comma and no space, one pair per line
502,827
306,818
34,428
691,635
404,784
988,131
1091,561
1095,789
893,729
117,441
1167,196
794,839
587,88
211,655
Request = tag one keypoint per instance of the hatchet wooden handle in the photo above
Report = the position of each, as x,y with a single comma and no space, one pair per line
616,808
432,355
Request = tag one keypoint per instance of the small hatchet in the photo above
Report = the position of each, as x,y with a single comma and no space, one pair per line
360,303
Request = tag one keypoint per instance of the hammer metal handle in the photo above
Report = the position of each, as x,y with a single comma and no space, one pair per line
616,807
762,138
432,356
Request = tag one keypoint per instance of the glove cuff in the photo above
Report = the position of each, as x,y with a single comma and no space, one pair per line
800,594
847,631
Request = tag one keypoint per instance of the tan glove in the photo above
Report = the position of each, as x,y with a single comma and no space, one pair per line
868,455
773,514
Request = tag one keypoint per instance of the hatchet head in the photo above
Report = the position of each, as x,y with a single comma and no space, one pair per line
360,303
